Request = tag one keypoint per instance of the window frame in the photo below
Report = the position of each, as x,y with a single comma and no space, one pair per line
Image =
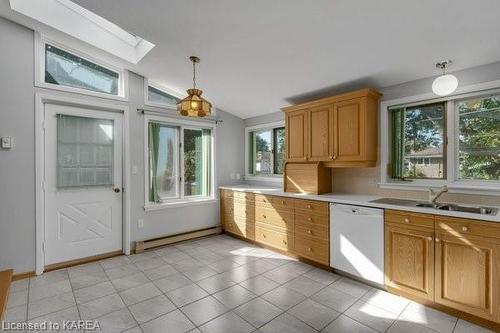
181,200
40,43
452,145
445,142
274,177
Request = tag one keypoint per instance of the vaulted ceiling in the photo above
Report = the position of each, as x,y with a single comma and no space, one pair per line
260,55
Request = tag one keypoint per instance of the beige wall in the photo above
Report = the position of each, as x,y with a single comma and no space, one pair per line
365,181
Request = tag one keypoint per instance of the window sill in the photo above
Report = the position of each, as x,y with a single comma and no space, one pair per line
454,187
180,203
271,179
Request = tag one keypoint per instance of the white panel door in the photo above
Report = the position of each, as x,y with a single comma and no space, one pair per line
83,182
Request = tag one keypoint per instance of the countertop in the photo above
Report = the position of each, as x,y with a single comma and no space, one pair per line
358,200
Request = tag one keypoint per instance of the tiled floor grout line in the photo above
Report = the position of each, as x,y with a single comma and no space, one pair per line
218,253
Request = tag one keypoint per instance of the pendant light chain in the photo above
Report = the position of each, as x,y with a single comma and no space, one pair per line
194,74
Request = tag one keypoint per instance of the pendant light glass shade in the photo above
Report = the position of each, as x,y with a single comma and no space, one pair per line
194,105
445,84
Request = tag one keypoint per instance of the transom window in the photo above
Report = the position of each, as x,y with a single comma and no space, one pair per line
158,96
461,134
66,69
180,162
266,148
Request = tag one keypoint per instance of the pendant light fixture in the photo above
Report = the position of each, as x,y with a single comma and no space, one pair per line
194,105
445,84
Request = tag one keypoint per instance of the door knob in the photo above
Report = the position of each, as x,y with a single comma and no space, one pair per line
116,189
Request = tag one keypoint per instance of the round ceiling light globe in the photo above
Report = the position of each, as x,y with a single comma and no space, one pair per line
444,85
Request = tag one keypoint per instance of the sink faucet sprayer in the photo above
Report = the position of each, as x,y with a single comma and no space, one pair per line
435,194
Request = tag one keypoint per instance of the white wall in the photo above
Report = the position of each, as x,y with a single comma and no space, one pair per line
17,166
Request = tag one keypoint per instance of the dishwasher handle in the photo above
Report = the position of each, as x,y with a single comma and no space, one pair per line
356,210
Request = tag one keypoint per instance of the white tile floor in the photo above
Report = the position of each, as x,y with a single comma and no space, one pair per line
218,284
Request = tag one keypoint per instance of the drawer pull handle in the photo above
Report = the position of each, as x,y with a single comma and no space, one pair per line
465,229
309,232
309,249
407,220
309,219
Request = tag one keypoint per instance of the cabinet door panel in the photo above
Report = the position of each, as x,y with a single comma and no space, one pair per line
466,276
319,133
296,136
348,131
409,262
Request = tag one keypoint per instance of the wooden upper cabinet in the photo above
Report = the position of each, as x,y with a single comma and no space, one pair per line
296,124
409,260
348,131
320,136
341,130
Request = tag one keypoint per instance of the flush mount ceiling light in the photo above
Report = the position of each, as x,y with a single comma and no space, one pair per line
194,105
445,84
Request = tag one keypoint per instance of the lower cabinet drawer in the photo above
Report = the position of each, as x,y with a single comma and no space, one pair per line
278,239
312,230
312,248
240,227
271,216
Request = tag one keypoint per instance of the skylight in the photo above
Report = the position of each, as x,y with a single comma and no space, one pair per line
78,22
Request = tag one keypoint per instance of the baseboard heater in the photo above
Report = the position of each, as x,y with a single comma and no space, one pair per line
140,246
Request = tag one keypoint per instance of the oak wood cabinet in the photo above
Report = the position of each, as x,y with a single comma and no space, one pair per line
468,266
297,140
450,261
340,130
299,227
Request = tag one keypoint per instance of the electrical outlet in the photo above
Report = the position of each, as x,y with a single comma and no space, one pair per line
140,223
7,142
238,176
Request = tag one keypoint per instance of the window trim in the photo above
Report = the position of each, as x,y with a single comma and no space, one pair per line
148,83
41,41
181,200
454,184
276,178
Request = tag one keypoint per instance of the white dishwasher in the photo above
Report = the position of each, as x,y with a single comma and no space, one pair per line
357,241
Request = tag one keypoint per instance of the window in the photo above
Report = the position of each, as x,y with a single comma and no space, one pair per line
418,145
479,138
161,97
266,151
85,151
66,69
180,162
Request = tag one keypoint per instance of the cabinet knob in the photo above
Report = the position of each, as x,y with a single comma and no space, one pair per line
263,235
284,241
429,238
309,206
407,220
334,157
283,202
264,216
309,249
309,231
437,240
309,219
465,229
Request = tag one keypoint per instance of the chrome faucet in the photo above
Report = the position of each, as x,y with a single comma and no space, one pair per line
435,194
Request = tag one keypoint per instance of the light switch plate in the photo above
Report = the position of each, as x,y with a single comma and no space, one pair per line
6,142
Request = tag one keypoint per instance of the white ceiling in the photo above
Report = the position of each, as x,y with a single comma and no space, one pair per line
260,55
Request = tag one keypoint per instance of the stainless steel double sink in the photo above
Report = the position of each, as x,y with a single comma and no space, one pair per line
438,206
